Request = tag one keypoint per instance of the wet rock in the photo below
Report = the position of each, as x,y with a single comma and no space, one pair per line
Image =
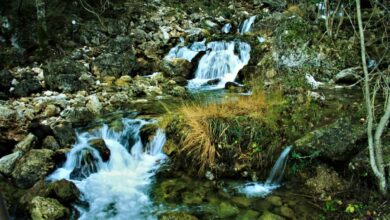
78,116
63,75
242,201
50,143
335,142
148,132
235,87
7,163
27,143
326,182
63,190
114,64
226,210
348,76
34,165
64,134
177,216
26,85
101,146
180,70
5,83
86,164
46,208
213,82
270,216
275,200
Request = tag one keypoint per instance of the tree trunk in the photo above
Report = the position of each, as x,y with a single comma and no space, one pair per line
41,23
374,145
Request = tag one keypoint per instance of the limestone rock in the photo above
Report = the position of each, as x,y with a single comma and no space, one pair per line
64,133
34,165
50,143
27,143
101,146
47,209
7,163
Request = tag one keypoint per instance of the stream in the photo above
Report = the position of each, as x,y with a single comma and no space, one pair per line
125,185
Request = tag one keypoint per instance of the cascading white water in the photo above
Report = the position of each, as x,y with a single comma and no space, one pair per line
246,25
118,188
220,63
255,189
226,28
182,52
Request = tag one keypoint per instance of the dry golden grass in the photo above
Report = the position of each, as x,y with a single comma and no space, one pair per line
198,137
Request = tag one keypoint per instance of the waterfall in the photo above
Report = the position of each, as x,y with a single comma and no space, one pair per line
255,189
117,188
226,28
182,52
220,63
246,25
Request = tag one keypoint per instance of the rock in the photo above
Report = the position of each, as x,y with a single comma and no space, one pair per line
235,87
148,132
326,182
270,216
226,210
50,143
119,100
86,165
27,143
63,190
5,83
80,116
26,85
34,165
213,82
101,146
94,105
114,64
287,212
47,209
248,215
50,110
7,163
242,201
7,116
348,76
63,75
177,216
64,134
180,70
335,142
275,200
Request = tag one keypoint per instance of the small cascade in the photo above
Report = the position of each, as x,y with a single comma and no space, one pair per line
118,188
226,28
273,181
221,64
246,25
188,53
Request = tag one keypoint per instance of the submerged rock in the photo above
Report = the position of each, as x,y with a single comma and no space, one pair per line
36,164
177,216
47,209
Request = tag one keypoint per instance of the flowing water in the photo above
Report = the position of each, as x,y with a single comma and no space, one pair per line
246,26
118,188
273,181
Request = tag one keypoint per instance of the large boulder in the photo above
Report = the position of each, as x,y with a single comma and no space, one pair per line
63,190
33,166
64,75
180,70
47,209
114,64
64,133
25,85
338,141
